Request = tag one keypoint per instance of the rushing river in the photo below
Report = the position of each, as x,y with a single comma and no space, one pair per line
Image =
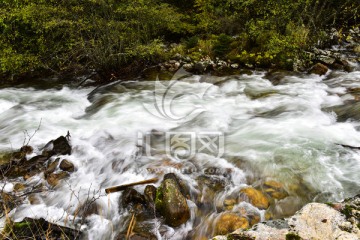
284,130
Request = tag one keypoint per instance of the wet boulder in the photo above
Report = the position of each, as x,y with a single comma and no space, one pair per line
229,203
150,193
345,112
254,93
354,92
199,67
209,187
228,222
255,197
275,189
319,69
18,187
171,203
132,197
52,167
276,76
54,178
137,203
59,146
9,160
184,189
27,168
67,166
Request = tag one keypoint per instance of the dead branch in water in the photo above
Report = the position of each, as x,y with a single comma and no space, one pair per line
124,186
131,227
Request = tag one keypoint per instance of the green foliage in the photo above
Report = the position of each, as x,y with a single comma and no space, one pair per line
192,42
100,34
107,35
222,45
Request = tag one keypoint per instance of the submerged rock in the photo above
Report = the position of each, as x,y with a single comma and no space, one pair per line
54,178
209,187
347,111
228,222
255,197
254,94
131,197
171,203
275,189
52,167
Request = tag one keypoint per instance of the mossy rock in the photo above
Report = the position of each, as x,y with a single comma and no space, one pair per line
182,186
292,236
171,203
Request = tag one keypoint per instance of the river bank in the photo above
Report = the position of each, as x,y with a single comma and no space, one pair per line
341,52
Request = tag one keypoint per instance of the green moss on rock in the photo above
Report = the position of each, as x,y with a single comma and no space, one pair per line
171,204
292,236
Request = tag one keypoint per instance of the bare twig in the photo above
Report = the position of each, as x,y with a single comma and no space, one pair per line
27,135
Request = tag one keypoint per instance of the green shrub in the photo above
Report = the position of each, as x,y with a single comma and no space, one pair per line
222,45
191,42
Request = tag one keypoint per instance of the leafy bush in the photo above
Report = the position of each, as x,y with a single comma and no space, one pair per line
222,45
107,35
191,42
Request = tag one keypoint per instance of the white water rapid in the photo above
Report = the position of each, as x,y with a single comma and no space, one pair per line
285,131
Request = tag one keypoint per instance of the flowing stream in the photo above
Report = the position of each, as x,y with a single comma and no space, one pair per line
286,131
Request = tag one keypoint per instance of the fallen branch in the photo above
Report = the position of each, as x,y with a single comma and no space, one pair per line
123,187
